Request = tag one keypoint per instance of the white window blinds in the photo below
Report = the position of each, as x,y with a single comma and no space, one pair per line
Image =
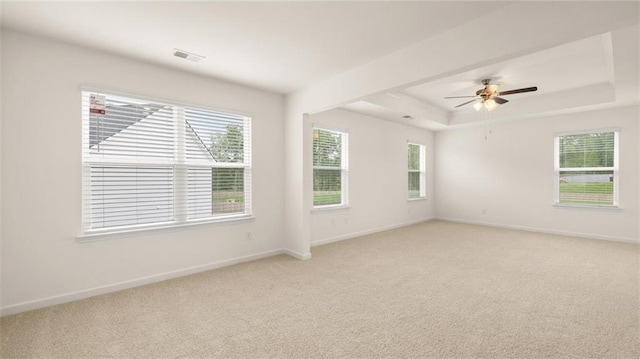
330,165
417,171
586,168
149,163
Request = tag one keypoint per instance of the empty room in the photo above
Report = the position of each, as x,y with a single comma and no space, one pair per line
355,179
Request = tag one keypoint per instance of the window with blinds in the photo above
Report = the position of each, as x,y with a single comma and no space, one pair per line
152,163
417,170
586,168
330,165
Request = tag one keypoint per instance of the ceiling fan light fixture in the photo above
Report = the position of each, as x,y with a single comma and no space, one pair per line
489,97
492,88
490,104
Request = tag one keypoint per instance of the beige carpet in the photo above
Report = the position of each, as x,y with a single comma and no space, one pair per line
437,289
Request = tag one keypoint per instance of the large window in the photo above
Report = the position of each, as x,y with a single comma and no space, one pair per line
417,172
330,165
586,168
154,164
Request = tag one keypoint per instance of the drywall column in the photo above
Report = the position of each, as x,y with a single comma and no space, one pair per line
297,240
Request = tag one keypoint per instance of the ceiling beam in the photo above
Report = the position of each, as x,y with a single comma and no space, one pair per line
515,30
410,106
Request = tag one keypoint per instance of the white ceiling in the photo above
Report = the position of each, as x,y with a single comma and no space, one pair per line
279,46
583,70
288,47
574,65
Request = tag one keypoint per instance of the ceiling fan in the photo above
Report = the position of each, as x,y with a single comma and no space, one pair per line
487,97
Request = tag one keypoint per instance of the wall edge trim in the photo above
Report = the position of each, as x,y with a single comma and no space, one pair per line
297,255
115,287
369,231
543,230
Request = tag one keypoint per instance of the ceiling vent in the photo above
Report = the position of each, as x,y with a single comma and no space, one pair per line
188,55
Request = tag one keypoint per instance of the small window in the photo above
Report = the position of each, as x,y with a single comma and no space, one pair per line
586,169
417,171
149,164
330,165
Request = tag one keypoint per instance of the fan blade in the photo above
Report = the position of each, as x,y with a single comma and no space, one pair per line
500,100
468,102
458,97
526,89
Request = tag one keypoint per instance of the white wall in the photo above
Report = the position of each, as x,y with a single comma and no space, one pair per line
510,175
1,31
377,177
42,262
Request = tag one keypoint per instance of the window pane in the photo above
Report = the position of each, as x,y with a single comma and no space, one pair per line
212,136
327,148
586,187
126,196
215,191
327,187
148,161
416,169
130,128
414,184
414,157
587,150
228,190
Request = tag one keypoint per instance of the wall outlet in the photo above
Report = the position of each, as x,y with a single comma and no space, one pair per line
248,237
346,220
484,211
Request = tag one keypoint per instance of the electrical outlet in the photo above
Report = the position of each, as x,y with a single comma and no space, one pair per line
248,236
484,211
346,220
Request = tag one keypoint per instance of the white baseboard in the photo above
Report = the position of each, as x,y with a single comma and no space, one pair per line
543,230
297,255
69,297
368,231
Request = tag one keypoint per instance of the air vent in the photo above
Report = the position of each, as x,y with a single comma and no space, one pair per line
188,55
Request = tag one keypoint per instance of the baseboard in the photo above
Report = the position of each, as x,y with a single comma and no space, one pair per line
369,231
297,255
543,230
70,297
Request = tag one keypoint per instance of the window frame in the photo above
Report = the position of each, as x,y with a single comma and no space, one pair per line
615,169
179,164
344,168
422,162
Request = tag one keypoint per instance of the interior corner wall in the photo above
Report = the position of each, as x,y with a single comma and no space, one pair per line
503,174
377,178
1,115
42,262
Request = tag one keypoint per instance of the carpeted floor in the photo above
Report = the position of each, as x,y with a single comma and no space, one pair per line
438,289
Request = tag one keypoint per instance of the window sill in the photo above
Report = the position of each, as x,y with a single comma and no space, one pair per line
589,208
99,235
329,208
416,199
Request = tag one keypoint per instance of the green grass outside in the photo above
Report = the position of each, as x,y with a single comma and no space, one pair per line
228,196
581,187
592,193
326,198
597,203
